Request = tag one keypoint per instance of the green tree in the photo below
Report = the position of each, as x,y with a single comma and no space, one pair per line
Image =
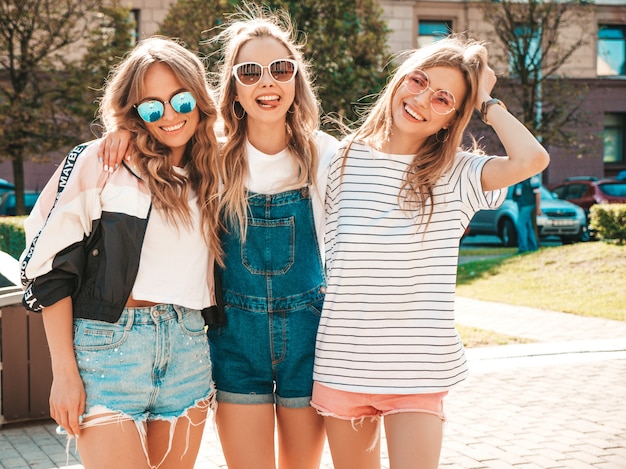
345,43
536,39
41,107
195,22
109,39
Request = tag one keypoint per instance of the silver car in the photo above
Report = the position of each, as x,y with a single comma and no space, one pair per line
559,218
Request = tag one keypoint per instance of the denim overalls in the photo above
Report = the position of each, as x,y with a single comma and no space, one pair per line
273,288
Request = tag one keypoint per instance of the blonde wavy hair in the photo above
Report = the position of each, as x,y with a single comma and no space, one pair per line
123,89
438,152
302,120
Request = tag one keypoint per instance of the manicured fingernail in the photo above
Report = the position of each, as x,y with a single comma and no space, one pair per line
106,167
99,159
117,165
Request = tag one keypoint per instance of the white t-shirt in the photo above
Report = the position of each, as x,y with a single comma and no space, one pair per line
388,320
170,257
272,174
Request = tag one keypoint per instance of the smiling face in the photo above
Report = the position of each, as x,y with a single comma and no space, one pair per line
414,119
172,129
267,101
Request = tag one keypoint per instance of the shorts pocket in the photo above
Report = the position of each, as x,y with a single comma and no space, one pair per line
316,307
192,323
98,335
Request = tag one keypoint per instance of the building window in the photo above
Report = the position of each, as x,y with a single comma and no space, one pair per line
133,18
430,31
107,27
526,56
611,50
614,130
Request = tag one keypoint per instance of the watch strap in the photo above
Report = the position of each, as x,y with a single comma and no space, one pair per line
484,107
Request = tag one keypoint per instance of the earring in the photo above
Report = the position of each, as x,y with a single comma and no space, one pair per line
235,111
445,139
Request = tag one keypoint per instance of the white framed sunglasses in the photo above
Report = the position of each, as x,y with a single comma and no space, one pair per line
250,73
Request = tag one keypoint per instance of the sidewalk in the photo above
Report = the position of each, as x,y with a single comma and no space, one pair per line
554,403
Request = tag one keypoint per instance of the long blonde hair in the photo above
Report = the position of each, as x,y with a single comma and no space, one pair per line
302,120
169,190
437,153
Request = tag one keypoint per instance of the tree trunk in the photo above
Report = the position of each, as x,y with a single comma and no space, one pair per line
18,179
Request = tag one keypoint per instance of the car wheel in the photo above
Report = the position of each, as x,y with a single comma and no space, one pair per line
508,233
586,236
575,239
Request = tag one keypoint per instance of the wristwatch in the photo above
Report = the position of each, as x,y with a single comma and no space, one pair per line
484,107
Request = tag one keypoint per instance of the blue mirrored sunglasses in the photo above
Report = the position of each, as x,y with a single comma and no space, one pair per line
153,109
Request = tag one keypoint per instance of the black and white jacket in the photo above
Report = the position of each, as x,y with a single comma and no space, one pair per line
84,238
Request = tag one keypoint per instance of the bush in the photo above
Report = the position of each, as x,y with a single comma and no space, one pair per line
609,221
12,240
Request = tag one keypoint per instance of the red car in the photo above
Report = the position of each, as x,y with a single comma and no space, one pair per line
586,192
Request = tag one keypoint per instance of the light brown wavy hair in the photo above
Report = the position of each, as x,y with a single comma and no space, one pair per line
438,152
302,120
123,89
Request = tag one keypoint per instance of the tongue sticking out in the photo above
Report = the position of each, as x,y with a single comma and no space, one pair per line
269,101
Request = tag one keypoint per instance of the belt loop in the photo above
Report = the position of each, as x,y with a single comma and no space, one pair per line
179,312
130,318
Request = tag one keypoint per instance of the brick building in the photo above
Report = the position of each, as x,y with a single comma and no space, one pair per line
599,65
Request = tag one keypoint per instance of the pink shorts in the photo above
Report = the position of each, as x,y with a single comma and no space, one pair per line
354,406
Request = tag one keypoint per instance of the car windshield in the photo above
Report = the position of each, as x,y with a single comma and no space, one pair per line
546,194
5,195
613,189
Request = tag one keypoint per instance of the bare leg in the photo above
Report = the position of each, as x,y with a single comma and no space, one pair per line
184,450
350,448
116,444
247,435
301,438
414,440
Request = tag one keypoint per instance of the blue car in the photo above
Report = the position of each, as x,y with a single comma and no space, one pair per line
6,186
559,218
7,202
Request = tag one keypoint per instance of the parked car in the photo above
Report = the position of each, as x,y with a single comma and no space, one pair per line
559,218
6,186
586,192
7,202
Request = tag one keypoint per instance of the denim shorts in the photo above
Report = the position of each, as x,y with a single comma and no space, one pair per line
274,364
153,363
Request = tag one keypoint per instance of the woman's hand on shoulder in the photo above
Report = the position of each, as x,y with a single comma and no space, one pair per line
114,147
